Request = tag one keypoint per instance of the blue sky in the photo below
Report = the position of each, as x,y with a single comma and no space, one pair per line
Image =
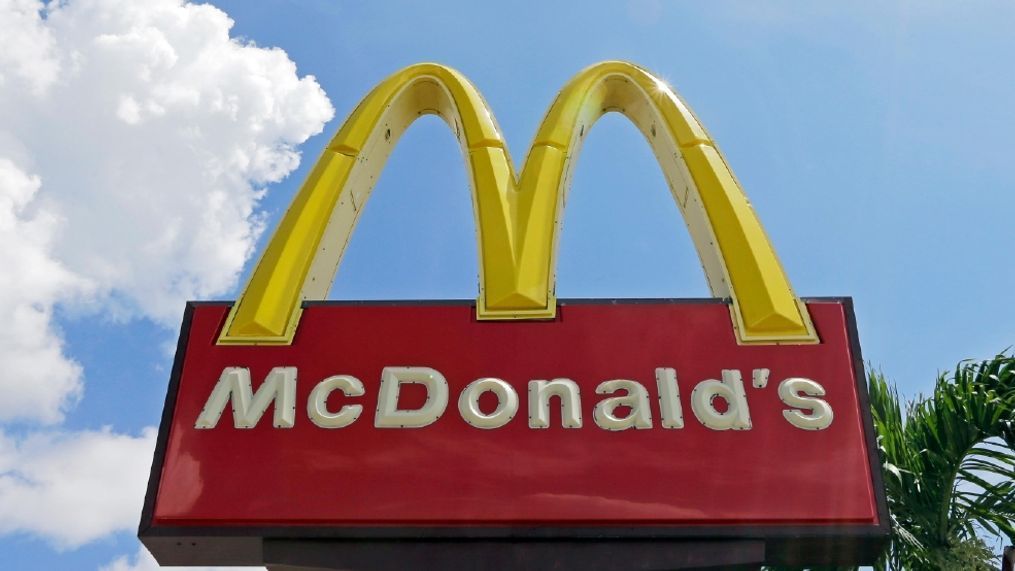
874,139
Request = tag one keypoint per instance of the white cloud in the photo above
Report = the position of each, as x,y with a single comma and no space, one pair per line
143,561
136,139
153,144
73,487
135,142
37,380
26,47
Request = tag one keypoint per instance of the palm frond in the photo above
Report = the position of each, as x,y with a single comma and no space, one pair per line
949,463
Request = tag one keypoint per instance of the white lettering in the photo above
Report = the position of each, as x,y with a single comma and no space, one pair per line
248,407
669,398
317,404
717,404
392,379
507,403
820,416
731,389
539,403
636,399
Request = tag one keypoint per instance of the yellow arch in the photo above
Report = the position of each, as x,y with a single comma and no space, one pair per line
518,218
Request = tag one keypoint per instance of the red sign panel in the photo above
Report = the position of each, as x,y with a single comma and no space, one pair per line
620,419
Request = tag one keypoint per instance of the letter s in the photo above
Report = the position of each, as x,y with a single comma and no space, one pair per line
820,413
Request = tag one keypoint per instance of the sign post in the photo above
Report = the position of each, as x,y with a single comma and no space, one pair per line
519,431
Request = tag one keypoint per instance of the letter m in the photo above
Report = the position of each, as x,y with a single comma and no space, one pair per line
248,407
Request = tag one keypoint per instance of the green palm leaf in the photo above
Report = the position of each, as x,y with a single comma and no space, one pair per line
949,465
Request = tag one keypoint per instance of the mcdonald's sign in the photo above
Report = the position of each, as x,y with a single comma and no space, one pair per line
523,429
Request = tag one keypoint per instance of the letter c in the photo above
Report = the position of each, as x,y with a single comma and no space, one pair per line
317,404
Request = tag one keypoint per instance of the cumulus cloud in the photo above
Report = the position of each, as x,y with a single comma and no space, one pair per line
153,143
26,48
94,480
136,139
37,380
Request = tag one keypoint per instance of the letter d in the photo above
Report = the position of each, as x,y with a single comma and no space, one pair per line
731,389
392,378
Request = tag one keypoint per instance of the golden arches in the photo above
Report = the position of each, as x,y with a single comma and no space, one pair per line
518,217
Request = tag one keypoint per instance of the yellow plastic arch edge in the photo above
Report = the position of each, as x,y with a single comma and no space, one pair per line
518,218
